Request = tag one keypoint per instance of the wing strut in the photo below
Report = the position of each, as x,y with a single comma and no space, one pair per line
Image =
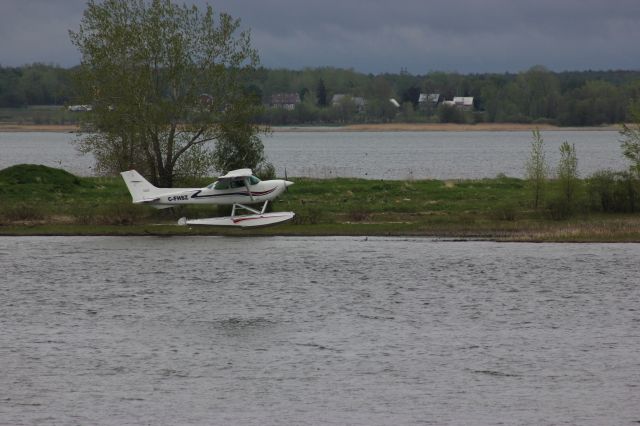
238,206
246,185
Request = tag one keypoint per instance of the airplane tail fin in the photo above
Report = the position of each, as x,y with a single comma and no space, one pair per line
141,190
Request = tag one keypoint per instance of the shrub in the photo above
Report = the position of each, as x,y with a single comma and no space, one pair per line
84,216
358,215
537,170
266,171
601,189
118,214
38,174
21,212
450,114
309,215
568,173
506,211
610,191
559,208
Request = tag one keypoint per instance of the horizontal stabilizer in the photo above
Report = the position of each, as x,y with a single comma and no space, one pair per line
147,200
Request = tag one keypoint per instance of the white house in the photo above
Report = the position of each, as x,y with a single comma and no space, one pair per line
357,100
432,99
285,100
463,102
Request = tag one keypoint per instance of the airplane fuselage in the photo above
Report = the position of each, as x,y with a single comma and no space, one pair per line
256,193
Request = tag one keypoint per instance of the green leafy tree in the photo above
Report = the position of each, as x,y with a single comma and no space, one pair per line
380,110
539,93
163,80
303,93
379,88
564,204
450,114
536,169
306,111
594,103
238,145
346,109
321,93
631,140
568,175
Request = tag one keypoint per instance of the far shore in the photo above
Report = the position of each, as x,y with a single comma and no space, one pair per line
387,127
57,128
452,127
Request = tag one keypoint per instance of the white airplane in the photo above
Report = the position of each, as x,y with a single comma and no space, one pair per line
235,188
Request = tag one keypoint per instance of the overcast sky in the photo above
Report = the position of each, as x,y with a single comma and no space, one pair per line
380,35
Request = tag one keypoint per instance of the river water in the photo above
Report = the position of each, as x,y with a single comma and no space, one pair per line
372,155
261,331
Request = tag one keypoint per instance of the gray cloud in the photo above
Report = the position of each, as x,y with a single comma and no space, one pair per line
379,36
37,31
464,35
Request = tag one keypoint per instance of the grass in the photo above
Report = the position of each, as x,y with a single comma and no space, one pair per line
37,200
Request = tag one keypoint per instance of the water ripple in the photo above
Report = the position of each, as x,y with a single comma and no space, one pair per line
317,331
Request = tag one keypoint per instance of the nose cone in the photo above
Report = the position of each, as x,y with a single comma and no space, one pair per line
287,183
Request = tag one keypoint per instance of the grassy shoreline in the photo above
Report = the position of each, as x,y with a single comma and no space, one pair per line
37,200
387,127
579,232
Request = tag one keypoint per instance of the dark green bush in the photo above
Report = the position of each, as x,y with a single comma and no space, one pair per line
21,212
505,211
309,215
358,215
559,208
610,191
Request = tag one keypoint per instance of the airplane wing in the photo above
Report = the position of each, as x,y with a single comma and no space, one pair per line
240,173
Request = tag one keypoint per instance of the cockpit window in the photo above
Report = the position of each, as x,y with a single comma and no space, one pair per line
237,183
221,184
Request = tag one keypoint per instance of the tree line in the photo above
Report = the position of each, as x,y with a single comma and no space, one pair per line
581,98
572,98
35,84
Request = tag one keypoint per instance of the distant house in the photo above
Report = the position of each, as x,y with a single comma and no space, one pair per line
429,99
463,102
285,100
357,100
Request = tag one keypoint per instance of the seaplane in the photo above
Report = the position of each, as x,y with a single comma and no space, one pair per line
236,188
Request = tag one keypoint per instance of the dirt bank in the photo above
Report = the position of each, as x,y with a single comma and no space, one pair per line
61,128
